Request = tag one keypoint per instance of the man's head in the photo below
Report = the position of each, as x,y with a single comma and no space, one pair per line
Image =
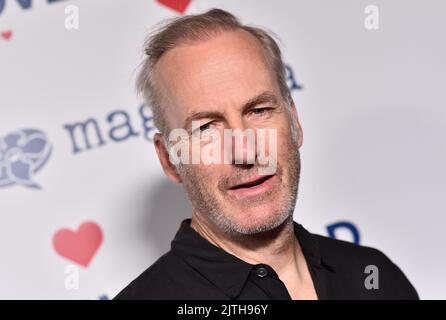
210,68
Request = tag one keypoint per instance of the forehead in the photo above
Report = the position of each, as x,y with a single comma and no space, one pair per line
212,75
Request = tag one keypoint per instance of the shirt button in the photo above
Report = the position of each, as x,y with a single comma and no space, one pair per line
262,272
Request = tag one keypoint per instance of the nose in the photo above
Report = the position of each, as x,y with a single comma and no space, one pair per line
242,149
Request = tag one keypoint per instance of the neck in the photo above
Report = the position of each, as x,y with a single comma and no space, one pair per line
277,248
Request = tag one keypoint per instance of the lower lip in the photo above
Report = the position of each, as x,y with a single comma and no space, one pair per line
254,191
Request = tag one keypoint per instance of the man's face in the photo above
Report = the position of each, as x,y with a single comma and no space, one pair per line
211,82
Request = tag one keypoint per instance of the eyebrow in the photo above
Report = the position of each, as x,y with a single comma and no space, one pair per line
264,97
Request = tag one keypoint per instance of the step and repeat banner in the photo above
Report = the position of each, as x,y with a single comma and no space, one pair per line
84,204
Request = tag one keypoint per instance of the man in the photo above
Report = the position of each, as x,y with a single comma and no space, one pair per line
241,242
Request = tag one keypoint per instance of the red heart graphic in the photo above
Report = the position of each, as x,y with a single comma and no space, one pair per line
177,5
79,246
7,35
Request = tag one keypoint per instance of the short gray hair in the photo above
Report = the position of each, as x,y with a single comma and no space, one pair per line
192,28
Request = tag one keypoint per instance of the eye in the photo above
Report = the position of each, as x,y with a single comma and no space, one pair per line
205,126
260,111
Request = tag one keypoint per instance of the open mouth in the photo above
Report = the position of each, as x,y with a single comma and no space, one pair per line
252,184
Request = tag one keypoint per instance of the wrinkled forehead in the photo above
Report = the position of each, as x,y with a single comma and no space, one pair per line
213,75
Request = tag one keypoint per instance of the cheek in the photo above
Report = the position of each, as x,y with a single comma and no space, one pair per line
283,144
287,157
207,177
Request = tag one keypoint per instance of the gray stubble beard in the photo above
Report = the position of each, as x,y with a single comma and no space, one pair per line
207,205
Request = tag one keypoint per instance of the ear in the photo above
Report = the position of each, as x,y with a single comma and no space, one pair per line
163,155
295,119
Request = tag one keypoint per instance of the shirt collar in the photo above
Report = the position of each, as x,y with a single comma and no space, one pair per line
225,270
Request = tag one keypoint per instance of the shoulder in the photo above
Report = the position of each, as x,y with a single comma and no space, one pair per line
154,282
169,278
353,263
338,250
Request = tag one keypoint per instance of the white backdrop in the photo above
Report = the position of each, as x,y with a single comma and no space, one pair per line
371,103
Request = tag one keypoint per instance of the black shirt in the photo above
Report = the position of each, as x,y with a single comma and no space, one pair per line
196,269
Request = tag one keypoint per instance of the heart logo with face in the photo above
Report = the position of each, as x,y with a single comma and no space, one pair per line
79,245
22,154
178,5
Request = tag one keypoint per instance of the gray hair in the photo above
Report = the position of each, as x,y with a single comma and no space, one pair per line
193,28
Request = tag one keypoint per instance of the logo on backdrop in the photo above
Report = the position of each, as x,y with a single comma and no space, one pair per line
6,35
24,4
22,154
347,226
81,245
179,6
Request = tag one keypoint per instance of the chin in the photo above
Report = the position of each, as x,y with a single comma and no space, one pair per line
256,220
